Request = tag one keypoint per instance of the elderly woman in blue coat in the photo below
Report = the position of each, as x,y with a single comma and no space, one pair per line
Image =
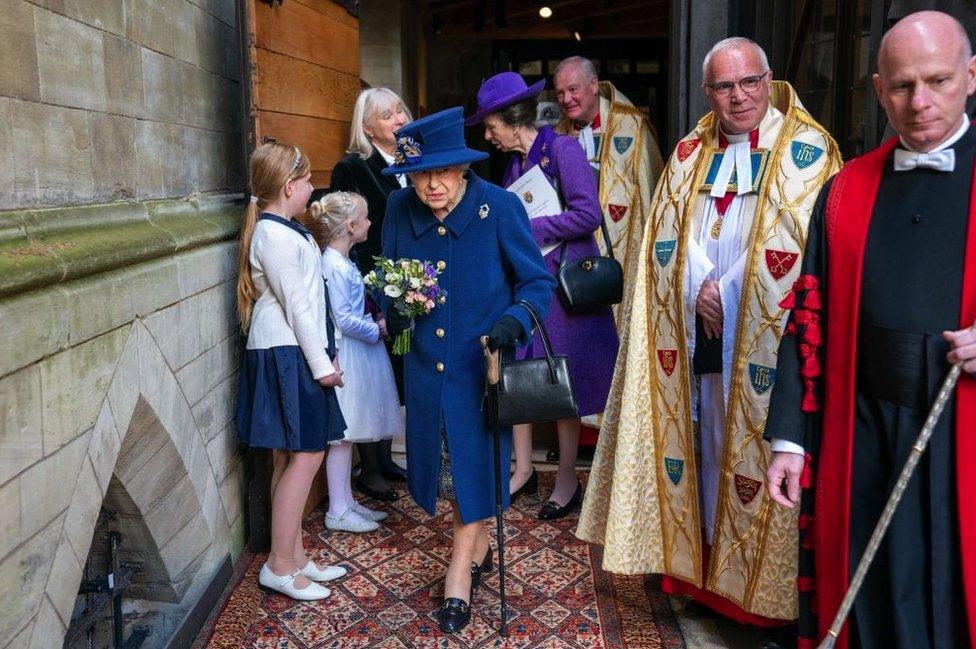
478,235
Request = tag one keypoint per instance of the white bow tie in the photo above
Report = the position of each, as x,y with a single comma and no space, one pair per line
944,160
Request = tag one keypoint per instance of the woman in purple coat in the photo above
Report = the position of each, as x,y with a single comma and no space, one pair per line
589,339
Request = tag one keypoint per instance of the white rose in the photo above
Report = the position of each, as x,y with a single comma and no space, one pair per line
414,282
393,291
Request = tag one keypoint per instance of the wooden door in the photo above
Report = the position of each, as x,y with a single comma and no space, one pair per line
300,82
302,69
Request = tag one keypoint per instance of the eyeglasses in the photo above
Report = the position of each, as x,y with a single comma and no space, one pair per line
748,85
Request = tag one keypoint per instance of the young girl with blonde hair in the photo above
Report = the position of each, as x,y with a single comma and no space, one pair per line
368,397
286,400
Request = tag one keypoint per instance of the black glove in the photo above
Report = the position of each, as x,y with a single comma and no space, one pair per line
504,333
396,322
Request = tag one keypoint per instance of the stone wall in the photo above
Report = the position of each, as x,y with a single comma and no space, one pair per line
117,99
121,172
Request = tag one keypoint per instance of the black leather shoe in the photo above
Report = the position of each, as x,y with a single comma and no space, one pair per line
394,473
551,510
483,569
530,486
454,615
387,496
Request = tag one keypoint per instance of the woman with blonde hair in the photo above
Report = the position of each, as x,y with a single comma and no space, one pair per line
369,398
286,401
378,115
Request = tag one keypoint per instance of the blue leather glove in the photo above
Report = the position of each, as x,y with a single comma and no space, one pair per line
504,333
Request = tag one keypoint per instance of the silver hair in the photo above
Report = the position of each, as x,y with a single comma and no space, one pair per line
733,41
586,65
369,102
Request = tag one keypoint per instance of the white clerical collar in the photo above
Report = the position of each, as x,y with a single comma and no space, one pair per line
948,143
737,138
389,161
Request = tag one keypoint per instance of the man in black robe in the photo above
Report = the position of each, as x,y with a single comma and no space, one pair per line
882,306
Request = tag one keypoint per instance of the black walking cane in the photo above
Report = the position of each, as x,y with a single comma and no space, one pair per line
492,373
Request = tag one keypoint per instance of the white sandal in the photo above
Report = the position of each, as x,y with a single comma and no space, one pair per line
313,572
286,586
350,521
369,514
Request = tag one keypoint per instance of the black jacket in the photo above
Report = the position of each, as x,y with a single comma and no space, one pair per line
353,174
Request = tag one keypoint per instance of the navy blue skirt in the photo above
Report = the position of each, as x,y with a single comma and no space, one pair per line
280,405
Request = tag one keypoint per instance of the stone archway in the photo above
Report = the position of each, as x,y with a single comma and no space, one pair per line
147,459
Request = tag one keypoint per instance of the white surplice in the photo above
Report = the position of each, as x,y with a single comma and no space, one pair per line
722,260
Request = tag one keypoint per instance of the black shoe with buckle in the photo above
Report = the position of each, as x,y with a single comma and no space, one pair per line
387,496
454,615
483,569
551,510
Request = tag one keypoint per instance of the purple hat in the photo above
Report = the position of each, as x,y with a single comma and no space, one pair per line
501,91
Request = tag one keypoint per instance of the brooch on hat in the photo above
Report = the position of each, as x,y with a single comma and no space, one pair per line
483,211
407,150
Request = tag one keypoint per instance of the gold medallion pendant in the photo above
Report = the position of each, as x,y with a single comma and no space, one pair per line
717,227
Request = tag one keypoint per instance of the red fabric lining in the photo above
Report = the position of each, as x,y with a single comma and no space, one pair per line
849,209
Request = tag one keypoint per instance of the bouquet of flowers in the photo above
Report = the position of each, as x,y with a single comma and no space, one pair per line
411,287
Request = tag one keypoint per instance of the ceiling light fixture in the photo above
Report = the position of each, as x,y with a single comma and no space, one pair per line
576,35
545,12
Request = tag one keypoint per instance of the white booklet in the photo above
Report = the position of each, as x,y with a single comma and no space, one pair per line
538,197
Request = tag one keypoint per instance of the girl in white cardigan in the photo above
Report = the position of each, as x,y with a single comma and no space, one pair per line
286,399
368,397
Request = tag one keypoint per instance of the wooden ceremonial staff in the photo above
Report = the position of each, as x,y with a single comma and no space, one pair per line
889,511
492,376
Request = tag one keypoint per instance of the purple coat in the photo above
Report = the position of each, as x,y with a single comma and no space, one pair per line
588,339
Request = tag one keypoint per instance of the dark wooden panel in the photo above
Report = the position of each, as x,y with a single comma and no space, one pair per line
288,85
303,33
332,10
323,140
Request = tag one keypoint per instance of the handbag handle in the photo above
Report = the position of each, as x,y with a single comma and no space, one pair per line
546,345
606,240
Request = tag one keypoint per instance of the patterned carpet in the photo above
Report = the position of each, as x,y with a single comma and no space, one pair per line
558,596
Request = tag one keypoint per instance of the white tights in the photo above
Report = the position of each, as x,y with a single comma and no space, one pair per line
338,472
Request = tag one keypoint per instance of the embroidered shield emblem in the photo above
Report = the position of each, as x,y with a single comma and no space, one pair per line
780,262
674,468
616,211
668,358
746,488
804,154
687,147
621,143
663,251
762,377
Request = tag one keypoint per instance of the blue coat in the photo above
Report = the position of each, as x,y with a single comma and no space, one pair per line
491,262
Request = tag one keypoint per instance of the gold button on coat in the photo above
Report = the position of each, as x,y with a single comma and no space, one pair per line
440,367
441,230
441,265
440,333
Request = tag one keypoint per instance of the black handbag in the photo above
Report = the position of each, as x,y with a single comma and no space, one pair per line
590,282
535,389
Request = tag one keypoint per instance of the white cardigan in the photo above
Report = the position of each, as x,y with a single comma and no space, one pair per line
286,270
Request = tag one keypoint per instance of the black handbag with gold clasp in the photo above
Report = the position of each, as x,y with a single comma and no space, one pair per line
590,282
535,389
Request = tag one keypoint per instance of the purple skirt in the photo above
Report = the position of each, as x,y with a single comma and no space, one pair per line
589,341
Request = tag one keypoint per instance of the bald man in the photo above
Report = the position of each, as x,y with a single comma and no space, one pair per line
891,258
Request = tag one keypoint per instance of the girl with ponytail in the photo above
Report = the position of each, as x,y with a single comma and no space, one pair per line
286,400
369,398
